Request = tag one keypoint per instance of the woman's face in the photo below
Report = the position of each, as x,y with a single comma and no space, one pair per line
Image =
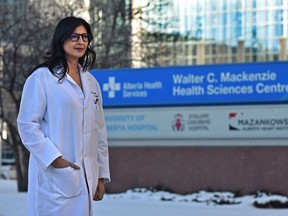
75,46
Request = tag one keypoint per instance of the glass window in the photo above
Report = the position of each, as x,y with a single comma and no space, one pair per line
279,2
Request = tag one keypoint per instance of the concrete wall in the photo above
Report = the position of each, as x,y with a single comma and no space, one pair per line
188,169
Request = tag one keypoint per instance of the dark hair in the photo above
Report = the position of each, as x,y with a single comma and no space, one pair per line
55,57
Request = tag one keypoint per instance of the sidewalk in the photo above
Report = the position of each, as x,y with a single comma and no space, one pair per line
13,203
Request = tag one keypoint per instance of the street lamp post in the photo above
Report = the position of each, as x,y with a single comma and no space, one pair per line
1,111
0,148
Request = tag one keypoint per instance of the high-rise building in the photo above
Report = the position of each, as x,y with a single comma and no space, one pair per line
189,32
172,32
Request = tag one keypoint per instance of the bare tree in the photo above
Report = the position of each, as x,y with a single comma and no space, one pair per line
22,40
156,32
110,22
131,33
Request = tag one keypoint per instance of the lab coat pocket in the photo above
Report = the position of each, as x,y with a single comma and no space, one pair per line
67,182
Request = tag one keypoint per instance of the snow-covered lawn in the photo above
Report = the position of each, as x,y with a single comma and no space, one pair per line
143,202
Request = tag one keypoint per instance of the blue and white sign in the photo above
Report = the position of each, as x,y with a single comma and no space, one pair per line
253,83
207,122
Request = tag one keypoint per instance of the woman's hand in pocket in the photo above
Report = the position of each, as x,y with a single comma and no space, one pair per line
62,163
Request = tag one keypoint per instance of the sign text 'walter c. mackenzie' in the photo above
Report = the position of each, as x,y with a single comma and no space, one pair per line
195,85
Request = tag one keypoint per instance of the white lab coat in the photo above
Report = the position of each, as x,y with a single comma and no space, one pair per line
59,119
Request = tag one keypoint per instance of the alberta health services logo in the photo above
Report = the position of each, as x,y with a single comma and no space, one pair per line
238,121
111,87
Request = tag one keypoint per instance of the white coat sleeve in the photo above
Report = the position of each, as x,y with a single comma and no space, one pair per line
103,155
31,112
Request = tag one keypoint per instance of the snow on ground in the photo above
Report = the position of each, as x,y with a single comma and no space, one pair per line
143,202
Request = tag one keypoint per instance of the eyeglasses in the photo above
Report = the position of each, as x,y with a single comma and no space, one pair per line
75,37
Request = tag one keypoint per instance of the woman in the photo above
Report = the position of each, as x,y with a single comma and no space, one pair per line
61,123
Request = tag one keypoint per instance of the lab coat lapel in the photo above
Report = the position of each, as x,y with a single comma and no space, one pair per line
75,86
